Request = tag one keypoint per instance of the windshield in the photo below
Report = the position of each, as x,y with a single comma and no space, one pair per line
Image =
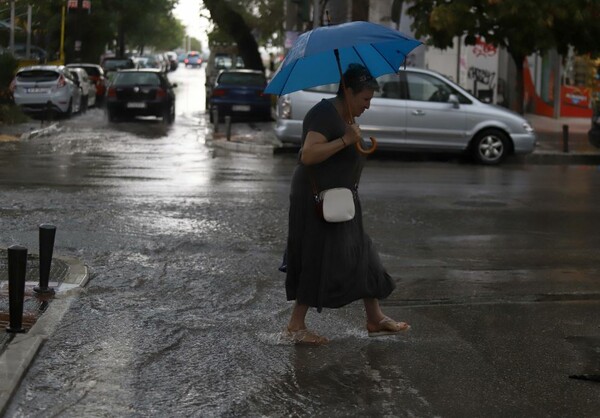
242,79
128,79
37,75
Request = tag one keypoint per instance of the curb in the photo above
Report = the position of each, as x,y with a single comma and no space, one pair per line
21,351
560,158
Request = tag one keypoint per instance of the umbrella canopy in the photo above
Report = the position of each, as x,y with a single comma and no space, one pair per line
311,60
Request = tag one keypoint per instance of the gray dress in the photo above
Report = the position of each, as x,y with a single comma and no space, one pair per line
330,265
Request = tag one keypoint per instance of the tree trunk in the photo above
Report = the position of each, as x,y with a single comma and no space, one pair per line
232,23
518,103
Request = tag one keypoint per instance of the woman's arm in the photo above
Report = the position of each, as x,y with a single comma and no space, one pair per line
317,149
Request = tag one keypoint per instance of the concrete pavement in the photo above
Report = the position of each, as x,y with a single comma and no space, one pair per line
41,315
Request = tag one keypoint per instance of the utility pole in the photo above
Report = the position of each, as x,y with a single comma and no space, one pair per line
78,24
11,43
28,45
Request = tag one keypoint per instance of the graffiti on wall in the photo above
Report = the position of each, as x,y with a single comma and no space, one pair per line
482,76
483,49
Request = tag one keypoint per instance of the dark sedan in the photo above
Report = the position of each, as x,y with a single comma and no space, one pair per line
239,93
140,92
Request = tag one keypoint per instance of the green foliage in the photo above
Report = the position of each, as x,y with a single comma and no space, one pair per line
11,114
264,18
8,67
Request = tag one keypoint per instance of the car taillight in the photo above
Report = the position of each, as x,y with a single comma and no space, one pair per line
61,82
285,107
160,93
219,92
112,92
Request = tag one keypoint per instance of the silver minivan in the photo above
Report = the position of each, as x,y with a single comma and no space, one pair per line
421,110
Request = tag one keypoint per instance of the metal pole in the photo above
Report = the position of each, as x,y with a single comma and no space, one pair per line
62,35
228,127
11,42
17,267
565,138
47,235
28,50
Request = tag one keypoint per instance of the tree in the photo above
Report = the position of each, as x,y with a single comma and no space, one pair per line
246,22
522,27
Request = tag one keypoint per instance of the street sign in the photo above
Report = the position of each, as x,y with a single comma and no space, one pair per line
85,4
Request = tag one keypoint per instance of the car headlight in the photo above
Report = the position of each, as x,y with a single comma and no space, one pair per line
527,127
285,107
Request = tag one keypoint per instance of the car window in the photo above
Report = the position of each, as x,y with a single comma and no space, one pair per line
37,75
389,86
116,64
423,87
242,79
128,79
325,88
92,71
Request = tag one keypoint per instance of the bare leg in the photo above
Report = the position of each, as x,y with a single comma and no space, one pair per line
298,315
378,323
373,311
297,331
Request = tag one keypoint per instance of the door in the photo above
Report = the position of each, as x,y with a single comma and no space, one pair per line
431,121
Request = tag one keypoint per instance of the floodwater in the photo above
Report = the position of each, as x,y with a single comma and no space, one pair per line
183,312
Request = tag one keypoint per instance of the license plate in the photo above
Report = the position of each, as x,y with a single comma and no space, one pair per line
136,105
240,108
37,90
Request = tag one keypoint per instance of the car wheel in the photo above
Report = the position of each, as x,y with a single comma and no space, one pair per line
69,111
84,104
490,147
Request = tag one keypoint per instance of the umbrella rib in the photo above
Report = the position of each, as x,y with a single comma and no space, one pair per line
386,60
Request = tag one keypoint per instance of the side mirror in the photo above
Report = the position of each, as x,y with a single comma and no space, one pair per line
453,98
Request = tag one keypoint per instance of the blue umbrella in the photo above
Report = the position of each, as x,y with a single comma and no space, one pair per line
320,56
311,60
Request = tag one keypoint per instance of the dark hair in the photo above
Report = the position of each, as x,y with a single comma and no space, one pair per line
357,77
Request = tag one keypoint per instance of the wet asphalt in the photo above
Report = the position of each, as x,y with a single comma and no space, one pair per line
496,270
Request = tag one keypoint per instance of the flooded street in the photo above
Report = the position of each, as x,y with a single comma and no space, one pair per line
496,268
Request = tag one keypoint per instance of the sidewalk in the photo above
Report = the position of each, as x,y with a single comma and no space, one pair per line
41,315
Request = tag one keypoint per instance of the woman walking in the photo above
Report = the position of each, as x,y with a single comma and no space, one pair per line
330,265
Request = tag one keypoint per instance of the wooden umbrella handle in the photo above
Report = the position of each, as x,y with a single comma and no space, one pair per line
370,150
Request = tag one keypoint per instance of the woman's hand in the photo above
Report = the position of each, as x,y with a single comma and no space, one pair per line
353,134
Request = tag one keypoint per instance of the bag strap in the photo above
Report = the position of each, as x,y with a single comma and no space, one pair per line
313,180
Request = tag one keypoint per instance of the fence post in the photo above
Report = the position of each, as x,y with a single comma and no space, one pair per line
565,138
17,268
47,235
228,127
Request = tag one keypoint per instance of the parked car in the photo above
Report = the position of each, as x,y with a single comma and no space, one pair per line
96,75
140,92
40,89
111,65
88,89
193,59
421,110
35,52
239,93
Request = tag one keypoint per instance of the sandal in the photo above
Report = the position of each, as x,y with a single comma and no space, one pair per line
387,326
305,337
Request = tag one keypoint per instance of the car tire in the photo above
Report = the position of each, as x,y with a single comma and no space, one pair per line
84,104
69,111
490,146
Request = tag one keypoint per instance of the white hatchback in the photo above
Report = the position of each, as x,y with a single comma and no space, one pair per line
42,88
421,110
